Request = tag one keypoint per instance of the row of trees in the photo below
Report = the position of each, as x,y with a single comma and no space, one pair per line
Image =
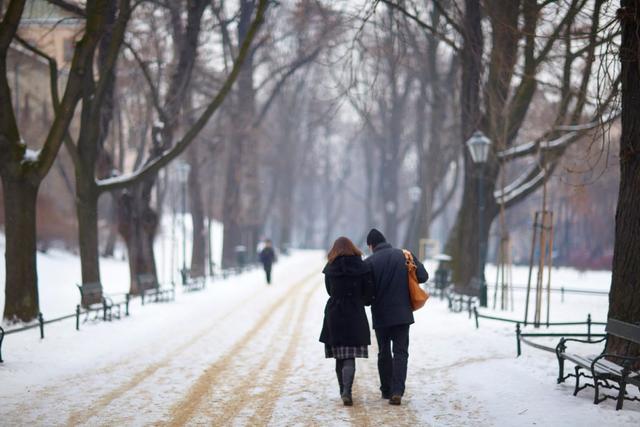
331,119
90,83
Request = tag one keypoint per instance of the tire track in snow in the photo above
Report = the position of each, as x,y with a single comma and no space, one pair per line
86,414
240,394
270,396
184,410
125,362
369,408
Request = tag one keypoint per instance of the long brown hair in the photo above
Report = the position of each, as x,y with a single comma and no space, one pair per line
342,247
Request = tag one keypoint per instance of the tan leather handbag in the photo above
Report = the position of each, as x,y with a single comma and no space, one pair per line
417,295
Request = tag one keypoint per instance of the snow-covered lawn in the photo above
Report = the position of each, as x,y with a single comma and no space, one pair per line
244,353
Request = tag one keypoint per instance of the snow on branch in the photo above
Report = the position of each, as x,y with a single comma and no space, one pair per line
573,133
522,186
529,148
520,180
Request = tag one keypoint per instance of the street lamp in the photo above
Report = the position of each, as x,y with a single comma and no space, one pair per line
183,177
479,146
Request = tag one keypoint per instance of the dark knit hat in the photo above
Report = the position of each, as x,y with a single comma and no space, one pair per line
374,238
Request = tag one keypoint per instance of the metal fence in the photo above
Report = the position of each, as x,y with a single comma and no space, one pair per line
41,321
523,337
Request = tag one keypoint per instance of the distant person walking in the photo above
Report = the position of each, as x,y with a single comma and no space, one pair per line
345,329
267,258
391,312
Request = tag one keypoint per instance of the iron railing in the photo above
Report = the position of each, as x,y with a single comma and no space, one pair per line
41,322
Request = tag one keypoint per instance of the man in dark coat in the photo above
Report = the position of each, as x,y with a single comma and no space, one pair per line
267,257
391,312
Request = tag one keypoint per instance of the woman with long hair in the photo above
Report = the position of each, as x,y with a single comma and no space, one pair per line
345,329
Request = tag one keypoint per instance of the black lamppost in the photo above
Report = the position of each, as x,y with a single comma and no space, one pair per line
183,176
479,146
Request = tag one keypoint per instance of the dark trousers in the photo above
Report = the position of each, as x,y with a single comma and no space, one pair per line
267,270
393,367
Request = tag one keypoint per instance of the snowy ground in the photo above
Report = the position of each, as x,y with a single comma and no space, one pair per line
243,353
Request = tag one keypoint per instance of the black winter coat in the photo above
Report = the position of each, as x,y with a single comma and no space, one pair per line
349,285
392,305
267,256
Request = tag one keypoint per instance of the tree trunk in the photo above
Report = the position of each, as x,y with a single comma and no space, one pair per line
390,199
624,298
231,204
137,224
112,219
21,291
198,251
288,174
465,238
87,211
94,128
286,207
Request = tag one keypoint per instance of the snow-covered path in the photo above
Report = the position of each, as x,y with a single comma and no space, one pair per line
242,353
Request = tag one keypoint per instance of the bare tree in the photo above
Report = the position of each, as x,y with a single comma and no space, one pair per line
499,86
309,27
624,298
22,168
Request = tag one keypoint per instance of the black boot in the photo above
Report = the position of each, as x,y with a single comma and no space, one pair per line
339,374
348,373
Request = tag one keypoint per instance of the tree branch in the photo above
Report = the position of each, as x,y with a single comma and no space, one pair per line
170,154
573,133
155,98
301,62
69,7
9,133
422,24
447,17
10,23
55,98
113,50
531,181
81,64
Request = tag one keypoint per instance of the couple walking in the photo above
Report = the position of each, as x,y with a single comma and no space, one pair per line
381,281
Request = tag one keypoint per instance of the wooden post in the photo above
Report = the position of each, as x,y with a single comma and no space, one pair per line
541,264
549,266
531,257
543,239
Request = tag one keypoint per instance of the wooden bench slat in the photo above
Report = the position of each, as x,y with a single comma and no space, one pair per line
628,331
584,361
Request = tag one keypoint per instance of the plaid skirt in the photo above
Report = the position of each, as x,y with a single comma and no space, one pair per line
346,352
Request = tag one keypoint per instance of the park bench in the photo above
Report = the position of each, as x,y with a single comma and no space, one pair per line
150,289
191,284
94,300
458,303
606,369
